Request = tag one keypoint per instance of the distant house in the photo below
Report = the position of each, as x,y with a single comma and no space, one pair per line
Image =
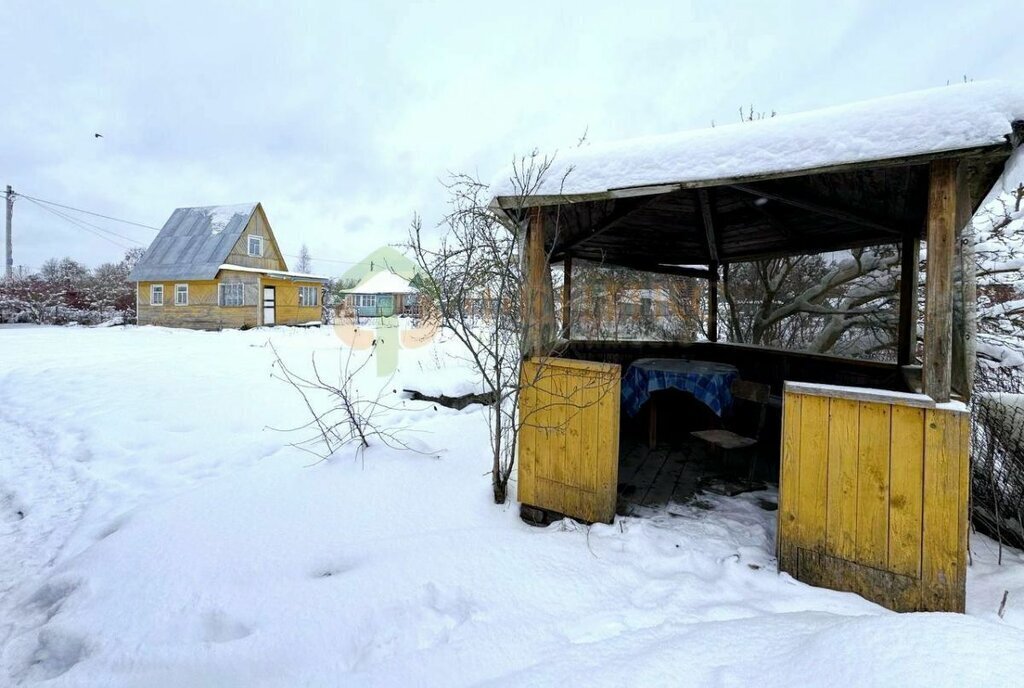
220,267
383,294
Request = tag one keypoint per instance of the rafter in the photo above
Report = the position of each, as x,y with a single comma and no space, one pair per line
623,209
707,220
818,207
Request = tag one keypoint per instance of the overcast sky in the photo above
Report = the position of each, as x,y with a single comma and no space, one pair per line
342,117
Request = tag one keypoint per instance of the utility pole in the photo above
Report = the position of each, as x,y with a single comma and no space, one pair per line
9,272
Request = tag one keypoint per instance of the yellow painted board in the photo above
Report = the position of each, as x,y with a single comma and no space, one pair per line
965,495
873,485
789,478
574,390
941,541
906,473
607,456
813,491
589,397
843,440
526,442
556,383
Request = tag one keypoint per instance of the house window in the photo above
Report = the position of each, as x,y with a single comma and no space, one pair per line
307,296
255,245
156,295
180,294
366,300
232,294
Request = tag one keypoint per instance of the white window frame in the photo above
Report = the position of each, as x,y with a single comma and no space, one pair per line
305,293
180,289
248,245
366,300
155,289
222,300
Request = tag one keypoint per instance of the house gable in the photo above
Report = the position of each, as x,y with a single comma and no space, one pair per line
272,258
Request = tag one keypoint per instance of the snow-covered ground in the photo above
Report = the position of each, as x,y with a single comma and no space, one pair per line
155,532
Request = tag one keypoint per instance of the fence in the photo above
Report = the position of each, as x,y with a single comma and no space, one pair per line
997,446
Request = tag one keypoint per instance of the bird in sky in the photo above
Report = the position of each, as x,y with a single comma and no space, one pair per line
98,136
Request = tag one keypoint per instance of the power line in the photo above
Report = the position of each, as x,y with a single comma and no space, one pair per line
90,224
89,212
80,225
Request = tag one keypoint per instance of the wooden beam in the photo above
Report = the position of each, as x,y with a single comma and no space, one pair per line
938,310
906,337
707,220
777,223
567,297
623,209
537,303
965,295
678,270
713,304
818,207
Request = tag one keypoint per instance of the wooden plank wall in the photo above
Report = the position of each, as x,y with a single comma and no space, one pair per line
873,498
271,258
569,437
288,311
203,311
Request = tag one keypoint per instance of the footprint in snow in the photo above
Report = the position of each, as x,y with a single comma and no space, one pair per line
55,653
218,627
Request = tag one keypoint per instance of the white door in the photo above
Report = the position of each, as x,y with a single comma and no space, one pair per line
269,298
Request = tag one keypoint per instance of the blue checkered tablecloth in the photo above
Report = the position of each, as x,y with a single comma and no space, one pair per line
710,383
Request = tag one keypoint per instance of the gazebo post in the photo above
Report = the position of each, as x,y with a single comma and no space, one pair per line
567,297
938,305
906,337
713,303
537,300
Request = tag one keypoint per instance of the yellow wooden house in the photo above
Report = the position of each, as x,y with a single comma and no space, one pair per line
874,462
220,267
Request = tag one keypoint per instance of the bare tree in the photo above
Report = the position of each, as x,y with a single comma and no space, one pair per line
473,274
304,263
839,303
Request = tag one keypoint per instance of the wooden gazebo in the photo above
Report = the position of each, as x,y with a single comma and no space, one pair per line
874,469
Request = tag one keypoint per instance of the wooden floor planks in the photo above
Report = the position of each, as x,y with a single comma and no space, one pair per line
651,479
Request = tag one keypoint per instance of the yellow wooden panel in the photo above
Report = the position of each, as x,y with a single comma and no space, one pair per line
588,394
526,440
554,381
964,498
569,437
941,555
607,456
813,491
909,471
789,477
843,442
906,473
873,485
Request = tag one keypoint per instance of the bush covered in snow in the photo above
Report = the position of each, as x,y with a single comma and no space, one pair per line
65,291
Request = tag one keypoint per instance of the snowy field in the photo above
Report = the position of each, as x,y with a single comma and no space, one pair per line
155,532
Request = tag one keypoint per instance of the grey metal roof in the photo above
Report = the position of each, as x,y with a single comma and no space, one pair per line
193,243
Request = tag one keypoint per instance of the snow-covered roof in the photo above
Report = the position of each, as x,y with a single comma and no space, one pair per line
384,282
950,118
193,243
275,273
